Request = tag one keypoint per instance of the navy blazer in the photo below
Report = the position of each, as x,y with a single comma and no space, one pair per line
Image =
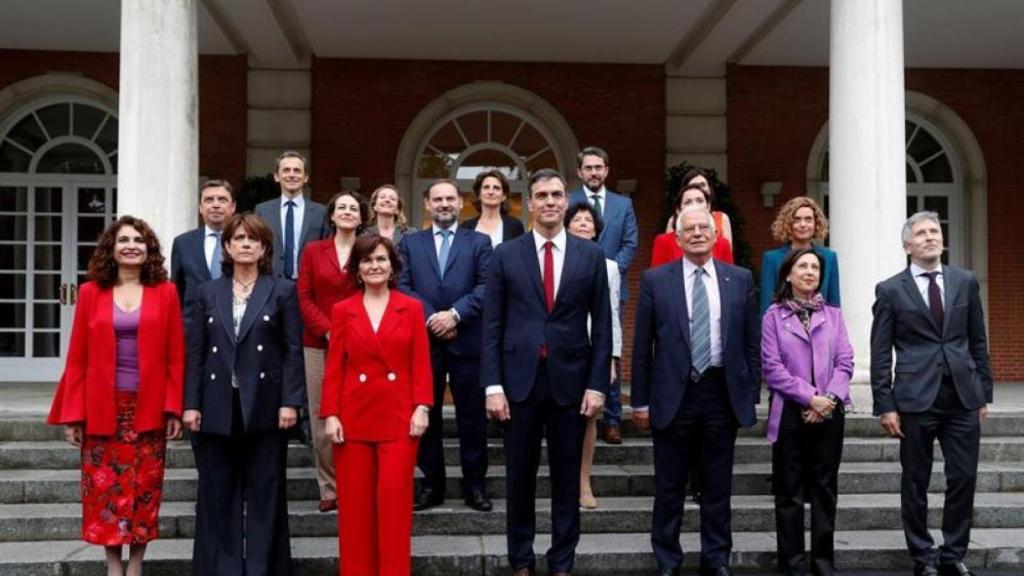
517,323
772,261
314,227
188,267
619,236
266,357
903,321
463,286
511,228
661,342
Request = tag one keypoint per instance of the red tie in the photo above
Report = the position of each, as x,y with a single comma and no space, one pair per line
549,276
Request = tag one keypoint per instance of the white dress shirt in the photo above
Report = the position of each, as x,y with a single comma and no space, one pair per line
922,282
435,230
297,213
557,251
714,304
209,243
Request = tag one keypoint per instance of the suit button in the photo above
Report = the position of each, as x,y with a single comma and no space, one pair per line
391,376
213,376
259,347
263,375
214,349
362,377
266,318
210,320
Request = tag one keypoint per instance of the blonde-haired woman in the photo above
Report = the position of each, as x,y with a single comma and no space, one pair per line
799,223
386,216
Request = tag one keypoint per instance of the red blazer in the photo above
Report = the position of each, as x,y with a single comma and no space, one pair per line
86,390
322,283
374,381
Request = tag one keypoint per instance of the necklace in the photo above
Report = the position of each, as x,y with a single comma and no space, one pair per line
246,286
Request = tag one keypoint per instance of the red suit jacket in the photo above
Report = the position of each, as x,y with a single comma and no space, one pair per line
321,284
374,381
86,390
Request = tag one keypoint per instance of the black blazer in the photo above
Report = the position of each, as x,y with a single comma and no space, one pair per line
266,357
903,321
463,287
188,267
661,342
517,322
511,228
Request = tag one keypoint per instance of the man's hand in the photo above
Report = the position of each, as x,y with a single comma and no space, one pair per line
891,424
642,419
614,372
193,420
173,428
333,430
441,322
593,403
448,336
73,434
286,417
983,412
497,407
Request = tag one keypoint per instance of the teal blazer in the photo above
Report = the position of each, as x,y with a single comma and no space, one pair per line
772,261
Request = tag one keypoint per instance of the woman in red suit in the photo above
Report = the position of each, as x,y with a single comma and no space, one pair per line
666,246
121,393
323,282
377,393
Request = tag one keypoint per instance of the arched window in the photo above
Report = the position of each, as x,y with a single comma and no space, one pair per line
934,182
61,138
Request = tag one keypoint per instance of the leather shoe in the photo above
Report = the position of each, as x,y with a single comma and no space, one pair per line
925,571
328,504
477,500
612,435
524,572
958,569
427,498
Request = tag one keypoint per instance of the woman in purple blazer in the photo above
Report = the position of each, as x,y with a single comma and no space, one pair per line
807,361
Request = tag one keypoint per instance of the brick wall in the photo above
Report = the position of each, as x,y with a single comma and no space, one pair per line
222,98
775,113
362,109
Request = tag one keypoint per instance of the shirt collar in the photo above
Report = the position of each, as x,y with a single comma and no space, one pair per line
689,268
435,228
558,241
208,231
299,200
600,193
916,271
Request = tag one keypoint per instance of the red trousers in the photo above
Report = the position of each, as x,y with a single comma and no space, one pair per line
375,481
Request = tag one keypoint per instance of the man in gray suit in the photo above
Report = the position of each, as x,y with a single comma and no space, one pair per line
932,315
295,219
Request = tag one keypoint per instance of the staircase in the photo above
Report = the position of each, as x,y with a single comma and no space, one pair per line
40,510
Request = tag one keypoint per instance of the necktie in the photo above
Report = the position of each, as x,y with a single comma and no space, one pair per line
549,276
442,255
700,332
934,299
597,205
289,240
215,257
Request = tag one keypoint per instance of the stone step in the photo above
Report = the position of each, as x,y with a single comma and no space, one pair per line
58,454
597,554
27,486
31,522
1009,423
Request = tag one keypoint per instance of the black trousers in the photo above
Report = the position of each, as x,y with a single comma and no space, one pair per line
536,418
805,465
958,431
463,375
241,508
704,420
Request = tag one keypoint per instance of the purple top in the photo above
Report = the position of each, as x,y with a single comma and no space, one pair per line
126,329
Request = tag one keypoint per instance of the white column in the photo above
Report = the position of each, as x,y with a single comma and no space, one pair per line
867,174
158,143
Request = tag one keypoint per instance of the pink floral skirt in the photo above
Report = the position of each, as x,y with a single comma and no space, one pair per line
122,481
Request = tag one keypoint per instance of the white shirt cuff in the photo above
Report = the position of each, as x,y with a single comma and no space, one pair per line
595,392
642,409
494,389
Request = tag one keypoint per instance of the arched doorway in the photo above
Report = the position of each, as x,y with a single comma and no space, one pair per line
478,127
58,177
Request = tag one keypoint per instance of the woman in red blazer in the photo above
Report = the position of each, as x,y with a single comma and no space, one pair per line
121,393
377,394
323,282
666,246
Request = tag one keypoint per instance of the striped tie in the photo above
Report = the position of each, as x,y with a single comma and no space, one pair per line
700,331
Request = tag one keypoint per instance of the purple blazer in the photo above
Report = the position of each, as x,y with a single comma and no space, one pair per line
786,358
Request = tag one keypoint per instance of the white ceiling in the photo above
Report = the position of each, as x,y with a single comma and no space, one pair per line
938,33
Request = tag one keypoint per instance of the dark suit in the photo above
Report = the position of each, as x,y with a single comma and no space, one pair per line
240,453
687,413
458,361
942,378
511,228
545,393
189,269
314,227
